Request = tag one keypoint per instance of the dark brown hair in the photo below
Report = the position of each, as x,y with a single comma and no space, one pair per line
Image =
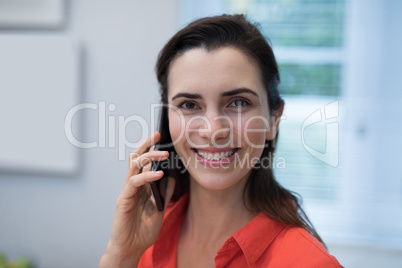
264,193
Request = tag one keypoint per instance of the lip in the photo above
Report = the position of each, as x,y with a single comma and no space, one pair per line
216,163
214,149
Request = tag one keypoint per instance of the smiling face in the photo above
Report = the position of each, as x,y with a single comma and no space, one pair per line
219,122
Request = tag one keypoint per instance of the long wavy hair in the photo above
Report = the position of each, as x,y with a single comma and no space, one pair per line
264,193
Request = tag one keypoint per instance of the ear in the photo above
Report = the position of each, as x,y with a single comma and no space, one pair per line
273,126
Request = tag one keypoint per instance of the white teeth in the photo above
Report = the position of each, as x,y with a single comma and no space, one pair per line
216,156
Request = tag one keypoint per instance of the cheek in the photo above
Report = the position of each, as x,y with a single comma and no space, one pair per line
253,130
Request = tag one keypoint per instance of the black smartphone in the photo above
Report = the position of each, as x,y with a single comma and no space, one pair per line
159,187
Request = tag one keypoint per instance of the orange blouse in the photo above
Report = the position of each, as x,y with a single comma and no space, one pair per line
260,243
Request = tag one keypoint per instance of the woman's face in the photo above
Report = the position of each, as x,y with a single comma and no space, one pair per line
219,120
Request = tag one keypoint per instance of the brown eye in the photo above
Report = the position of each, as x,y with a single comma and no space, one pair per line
188,105
238,103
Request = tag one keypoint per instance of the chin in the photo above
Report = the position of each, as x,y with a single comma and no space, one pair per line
218,181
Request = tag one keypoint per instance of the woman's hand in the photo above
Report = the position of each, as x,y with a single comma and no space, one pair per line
137,221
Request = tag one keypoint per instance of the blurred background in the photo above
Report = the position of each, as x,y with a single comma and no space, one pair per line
81,73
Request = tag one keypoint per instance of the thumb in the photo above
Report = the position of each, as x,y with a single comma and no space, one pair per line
169,190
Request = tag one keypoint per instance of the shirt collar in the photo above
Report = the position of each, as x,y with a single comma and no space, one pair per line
175,213
165,247
255,237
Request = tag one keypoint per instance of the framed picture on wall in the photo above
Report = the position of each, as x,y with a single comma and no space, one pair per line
39,85
32,14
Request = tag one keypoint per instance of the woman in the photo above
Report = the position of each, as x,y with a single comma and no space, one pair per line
224,209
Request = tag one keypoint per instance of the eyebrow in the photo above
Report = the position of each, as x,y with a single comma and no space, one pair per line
187,95
238,91
224,94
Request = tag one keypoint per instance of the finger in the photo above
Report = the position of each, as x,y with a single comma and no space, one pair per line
138,163
145,145
137,181
147,167
169,190
150,196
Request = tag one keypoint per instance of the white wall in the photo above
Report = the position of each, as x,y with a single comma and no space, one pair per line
65,221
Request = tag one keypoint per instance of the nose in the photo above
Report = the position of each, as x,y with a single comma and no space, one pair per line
216,127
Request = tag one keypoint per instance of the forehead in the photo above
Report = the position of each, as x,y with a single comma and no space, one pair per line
202,71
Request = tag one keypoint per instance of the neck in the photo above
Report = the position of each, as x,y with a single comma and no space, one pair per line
218,213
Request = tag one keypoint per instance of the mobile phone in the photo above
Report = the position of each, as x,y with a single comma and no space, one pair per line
159,187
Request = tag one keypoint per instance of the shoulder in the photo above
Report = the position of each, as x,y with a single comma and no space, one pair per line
264,242
296,247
